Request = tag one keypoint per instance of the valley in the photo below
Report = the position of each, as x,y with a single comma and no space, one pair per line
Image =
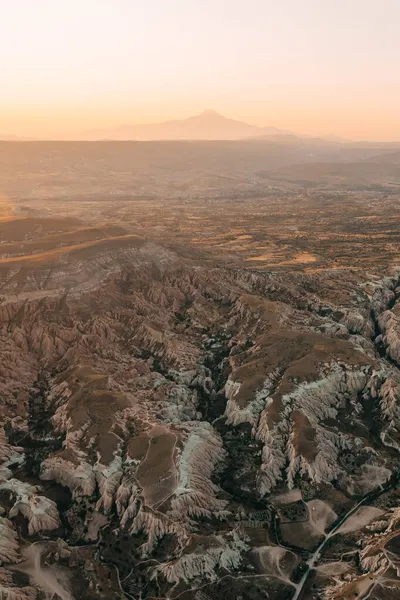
200,371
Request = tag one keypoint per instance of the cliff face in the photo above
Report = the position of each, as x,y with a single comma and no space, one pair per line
155,411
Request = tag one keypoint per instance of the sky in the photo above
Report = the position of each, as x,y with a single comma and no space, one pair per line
311,66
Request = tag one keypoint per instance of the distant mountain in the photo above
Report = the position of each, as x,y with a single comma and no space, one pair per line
209,125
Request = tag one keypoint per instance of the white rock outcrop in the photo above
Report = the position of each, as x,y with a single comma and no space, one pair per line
250,413
222,552
40,512
195,495
317,401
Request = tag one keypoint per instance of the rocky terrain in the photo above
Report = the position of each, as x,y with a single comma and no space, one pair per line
200,402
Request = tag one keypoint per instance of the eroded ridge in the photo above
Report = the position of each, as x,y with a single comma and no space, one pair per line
184,429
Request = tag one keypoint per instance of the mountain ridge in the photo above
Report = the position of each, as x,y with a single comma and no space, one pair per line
208,125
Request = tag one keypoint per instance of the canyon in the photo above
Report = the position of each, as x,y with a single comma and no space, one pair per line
200,372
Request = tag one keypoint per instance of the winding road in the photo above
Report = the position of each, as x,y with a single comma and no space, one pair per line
311,562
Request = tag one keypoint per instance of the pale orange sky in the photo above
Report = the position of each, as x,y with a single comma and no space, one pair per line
311,66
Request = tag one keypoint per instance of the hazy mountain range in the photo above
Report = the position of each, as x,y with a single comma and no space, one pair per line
209,125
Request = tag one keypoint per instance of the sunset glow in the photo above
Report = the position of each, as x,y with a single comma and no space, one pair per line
312,67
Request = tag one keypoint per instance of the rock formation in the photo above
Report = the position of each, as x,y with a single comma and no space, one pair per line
159,407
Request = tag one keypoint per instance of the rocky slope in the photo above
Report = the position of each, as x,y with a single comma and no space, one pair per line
176,428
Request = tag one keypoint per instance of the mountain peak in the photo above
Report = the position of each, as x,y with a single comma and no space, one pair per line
209,112
208,125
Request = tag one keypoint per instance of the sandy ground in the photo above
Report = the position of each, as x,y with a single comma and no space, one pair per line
333,568
51,581
363,516
275,562
321,515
